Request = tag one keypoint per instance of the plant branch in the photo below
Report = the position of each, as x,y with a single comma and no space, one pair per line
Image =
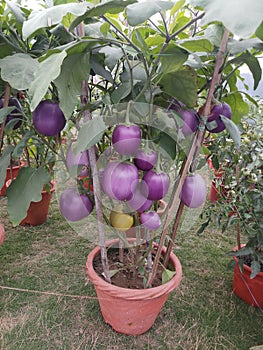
5,104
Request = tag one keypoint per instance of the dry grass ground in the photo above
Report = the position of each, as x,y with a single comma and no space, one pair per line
203,314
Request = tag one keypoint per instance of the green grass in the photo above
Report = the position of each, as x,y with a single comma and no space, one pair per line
202,313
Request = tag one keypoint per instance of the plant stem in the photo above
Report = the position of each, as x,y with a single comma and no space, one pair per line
191,158
5,104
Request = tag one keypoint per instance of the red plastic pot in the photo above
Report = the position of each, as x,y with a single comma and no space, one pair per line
247,289
11,173
2,234
131,311
38,211
216,192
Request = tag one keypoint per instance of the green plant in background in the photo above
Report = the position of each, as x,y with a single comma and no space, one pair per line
240,197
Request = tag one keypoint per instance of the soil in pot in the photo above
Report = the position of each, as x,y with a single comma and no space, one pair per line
128,275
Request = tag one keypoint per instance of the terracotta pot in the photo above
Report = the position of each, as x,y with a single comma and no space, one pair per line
38,211
11,173
247,289
2,234
131,311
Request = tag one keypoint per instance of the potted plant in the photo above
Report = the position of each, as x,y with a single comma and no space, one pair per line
137,77
241,205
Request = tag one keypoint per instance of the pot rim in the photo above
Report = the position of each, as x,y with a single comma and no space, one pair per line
133,294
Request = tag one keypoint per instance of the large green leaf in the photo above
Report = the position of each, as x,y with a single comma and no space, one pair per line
69,81
18,70
5,163
89,134
51,16
238,106
122,91
237,46
25,189
241,17
48,70
139,12
114,6
181,84
173,58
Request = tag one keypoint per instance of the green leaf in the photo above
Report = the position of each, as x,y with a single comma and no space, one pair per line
256,268
5,163
48,70
177,5
214,33
139,12
167,275
26,188
232,129
19,149
89,134
122,91
51,16
115,6
259,31
168,145
69,81
182,85
18,14
241,17
237,46
18,70
4,112
197,45
112,55
172,59
238,106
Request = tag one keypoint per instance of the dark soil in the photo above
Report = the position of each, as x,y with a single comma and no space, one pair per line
129,274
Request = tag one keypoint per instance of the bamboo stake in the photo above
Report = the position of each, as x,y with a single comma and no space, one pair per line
192,155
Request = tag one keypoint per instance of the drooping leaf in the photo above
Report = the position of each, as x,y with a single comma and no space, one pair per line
236,46
182,85
139,12
177,5
89,134
69,81
173,58
27,187
214,33
51,16
20,147
18,70
167,275
168,145
48,70
99,69
232,129
17,12
114,6
256,268
241,17
238,106
4,112
5,163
